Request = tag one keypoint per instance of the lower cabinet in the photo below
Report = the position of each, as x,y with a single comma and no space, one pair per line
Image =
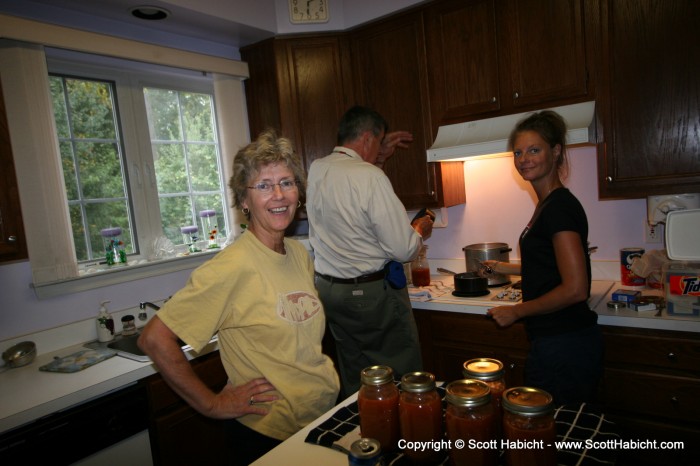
179,434
650,386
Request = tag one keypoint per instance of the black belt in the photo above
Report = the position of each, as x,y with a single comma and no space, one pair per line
371,277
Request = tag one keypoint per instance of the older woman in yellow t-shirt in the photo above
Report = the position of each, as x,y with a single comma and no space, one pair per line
258,294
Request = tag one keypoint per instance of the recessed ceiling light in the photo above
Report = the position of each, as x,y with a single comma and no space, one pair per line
149,12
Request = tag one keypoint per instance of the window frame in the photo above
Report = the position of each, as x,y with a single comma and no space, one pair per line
32,132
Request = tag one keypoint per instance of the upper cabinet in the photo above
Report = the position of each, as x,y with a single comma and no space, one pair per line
504,56
649,108
389,63
13,245
301,87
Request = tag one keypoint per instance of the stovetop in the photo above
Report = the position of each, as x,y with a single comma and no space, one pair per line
440,289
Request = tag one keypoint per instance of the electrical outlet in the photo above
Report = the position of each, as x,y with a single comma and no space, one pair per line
652,233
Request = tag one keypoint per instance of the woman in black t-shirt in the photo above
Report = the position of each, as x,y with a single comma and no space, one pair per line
566,350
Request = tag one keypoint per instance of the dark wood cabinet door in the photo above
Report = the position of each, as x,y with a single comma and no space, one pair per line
389,63
544,54
650,110
13,245
301,87
463,65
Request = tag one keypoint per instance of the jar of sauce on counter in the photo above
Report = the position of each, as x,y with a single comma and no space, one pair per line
378,405
420,415
420,268
469,417
489,371
528,422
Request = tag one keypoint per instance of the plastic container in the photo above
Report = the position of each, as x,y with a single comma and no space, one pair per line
528,427
420,415
420,268
189,237
378,405
682,288
105,324
210,230
470,417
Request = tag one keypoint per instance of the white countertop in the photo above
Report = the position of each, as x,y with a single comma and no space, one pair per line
29,394
601,293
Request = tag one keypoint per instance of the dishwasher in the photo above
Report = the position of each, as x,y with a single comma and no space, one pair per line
111,425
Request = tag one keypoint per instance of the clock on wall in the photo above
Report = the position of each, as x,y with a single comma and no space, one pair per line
308,11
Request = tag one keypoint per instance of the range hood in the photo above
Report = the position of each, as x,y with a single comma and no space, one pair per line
490,136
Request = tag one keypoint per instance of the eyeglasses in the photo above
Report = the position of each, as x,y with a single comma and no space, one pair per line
266,187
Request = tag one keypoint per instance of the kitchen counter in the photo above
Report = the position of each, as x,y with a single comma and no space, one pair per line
30,394
601,293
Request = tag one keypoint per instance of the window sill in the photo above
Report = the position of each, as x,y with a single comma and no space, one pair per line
122,274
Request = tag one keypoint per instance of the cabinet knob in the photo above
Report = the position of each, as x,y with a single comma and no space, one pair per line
671,356
11,239
608,179
516,95
674,400
493,100
511,366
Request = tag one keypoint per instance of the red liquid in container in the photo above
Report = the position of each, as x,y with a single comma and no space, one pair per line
528,418
378,404
420,277
420,414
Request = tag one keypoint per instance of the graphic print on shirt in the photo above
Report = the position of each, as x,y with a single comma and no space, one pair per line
298,306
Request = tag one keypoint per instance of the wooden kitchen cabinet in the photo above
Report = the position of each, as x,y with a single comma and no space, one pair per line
649,133
650,388
448,339
179,434
499,57
389,62
301,86
13,244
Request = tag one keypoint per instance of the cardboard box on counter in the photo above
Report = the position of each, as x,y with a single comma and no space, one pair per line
682,288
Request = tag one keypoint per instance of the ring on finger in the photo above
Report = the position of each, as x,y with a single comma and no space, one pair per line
251,401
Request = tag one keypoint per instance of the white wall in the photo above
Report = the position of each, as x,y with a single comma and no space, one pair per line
499,205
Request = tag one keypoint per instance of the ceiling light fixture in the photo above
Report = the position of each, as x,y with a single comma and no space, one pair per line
149,12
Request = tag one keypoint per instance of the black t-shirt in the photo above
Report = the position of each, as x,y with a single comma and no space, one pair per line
560,211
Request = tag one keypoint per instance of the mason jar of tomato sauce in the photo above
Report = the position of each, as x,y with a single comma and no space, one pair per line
420,416
489,371
378,405
529,429
469,418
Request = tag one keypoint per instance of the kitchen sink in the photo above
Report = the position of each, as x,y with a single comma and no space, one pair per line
126,347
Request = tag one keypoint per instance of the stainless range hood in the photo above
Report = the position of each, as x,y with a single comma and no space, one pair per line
490,136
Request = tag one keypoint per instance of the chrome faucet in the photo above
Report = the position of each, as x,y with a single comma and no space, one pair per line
143,316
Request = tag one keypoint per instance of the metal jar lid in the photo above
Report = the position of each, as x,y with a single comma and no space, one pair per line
527,401
418,382
468,392
486,369
377,375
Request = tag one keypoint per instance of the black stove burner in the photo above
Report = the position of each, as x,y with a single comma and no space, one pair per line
470,294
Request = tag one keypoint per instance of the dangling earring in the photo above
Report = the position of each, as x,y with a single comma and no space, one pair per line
246,210
298,204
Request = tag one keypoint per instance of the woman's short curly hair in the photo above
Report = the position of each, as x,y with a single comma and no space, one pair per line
266,149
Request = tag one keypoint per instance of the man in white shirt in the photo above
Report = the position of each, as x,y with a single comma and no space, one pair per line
360,234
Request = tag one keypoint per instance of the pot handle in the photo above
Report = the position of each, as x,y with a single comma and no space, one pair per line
506,250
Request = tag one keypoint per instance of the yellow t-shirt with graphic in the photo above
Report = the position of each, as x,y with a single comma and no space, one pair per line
270,322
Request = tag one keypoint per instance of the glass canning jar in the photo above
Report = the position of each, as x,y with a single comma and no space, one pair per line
420,415
378,405
489,371
528,427
469,417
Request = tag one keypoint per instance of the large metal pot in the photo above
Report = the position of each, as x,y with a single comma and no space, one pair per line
476,254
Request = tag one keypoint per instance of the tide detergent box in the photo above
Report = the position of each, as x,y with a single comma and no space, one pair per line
682,286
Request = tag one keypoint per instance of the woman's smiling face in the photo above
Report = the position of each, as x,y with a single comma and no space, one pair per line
534,158
271,213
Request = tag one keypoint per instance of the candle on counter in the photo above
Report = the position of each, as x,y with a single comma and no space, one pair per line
483,366
110,232
209,228
189,237
207,213
189,230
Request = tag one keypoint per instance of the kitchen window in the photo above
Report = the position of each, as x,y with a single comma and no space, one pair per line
27,70
180,161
